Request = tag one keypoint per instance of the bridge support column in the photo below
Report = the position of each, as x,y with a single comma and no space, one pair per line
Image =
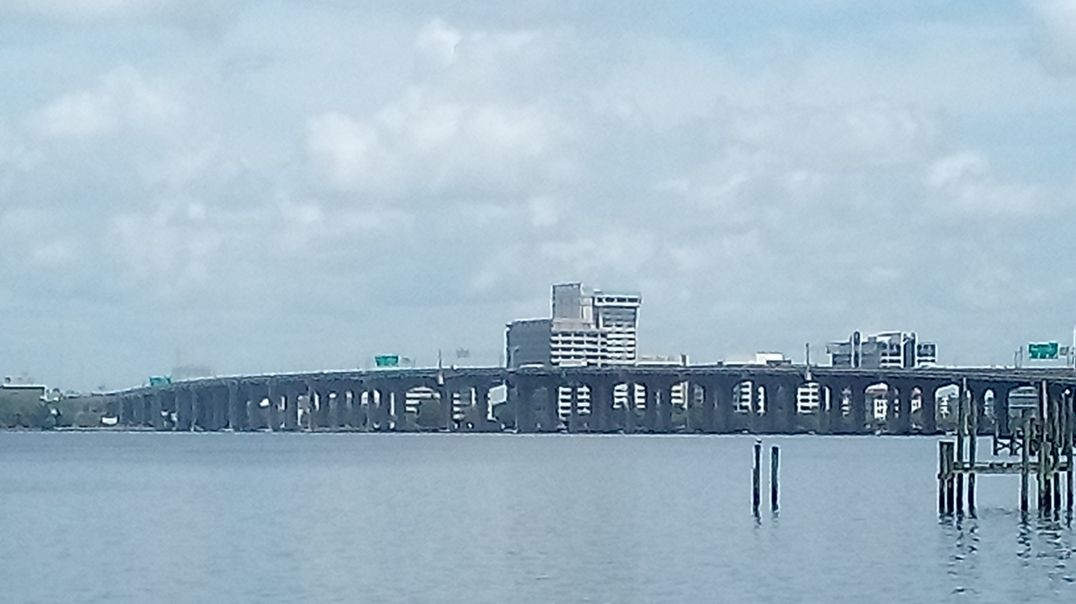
291,414
256,414
184,410
138,410
481,403
384,410
692,409
358,407
601,405
708,412
771,407
550,407
219,417
359,403
126,411
373,409
237,400
789,403
523,402
982,423
858,401
321,410
156,419
755,414
274,413
326,416
650,411
778,413
167,400
444,396
343,412
724,413
399,410
836,409
929,411
150,406
904,408
204,399
629,411
1001,410
891,421
663,398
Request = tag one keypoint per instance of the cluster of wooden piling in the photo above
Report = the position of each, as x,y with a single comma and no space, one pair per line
1045,443
756,477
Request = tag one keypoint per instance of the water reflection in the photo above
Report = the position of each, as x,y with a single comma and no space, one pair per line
1044,546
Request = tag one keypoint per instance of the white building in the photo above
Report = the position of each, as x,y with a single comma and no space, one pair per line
885,350
587,327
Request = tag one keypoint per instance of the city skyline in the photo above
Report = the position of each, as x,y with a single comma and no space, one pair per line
576,306
195,177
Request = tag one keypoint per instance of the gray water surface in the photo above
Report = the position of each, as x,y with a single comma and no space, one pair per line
94,517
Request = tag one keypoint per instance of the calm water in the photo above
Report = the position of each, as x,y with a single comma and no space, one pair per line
89,517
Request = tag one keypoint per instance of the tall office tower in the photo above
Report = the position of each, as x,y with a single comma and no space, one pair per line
587,327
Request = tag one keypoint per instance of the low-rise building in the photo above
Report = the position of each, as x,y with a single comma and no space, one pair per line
886,350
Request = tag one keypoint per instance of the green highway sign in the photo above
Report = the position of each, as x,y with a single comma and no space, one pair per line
1043,350
387,360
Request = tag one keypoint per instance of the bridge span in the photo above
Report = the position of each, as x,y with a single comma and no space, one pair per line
714,399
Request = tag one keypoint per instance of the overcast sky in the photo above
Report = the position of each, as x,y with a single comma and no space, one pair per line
274,186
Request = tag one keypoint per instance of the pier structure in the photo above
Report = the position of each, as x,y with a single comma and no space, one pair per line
719,399
1044,441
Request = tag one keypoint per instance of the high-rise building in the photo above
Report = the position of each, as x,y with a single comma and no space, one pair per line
587,327
886,350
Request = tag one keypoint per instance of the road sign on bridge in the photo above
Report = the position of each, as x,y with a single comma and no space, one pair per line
1043,350
387,360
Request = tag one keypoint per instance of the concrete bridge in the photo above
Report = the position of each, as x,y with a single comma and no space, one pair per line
581,399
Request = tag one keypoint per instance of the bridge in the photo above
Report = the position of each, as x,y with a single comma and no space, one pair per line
714,399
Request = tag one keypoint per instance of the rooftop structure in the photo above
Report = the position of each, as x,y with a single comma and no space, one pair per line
886,350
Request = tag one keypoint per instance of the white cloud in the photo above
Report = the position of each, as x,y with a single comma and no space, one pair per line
346,151
431,145
438,41
123,98
32,239
83,8
966,184
167,245
1056,27
544,211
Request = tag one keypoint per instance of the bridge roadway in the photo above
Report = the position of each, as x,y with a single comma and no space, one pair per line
596,399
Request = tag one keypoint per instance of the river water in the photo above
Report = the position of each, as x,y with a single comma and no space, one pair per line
137,517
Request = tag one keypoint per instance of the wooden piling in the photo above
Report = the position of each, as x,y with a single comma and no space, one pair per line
756,478
1057,433
1040,440
950,478
946,495
1070,415
1024,461
943,474
973,437
961,421
775,462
